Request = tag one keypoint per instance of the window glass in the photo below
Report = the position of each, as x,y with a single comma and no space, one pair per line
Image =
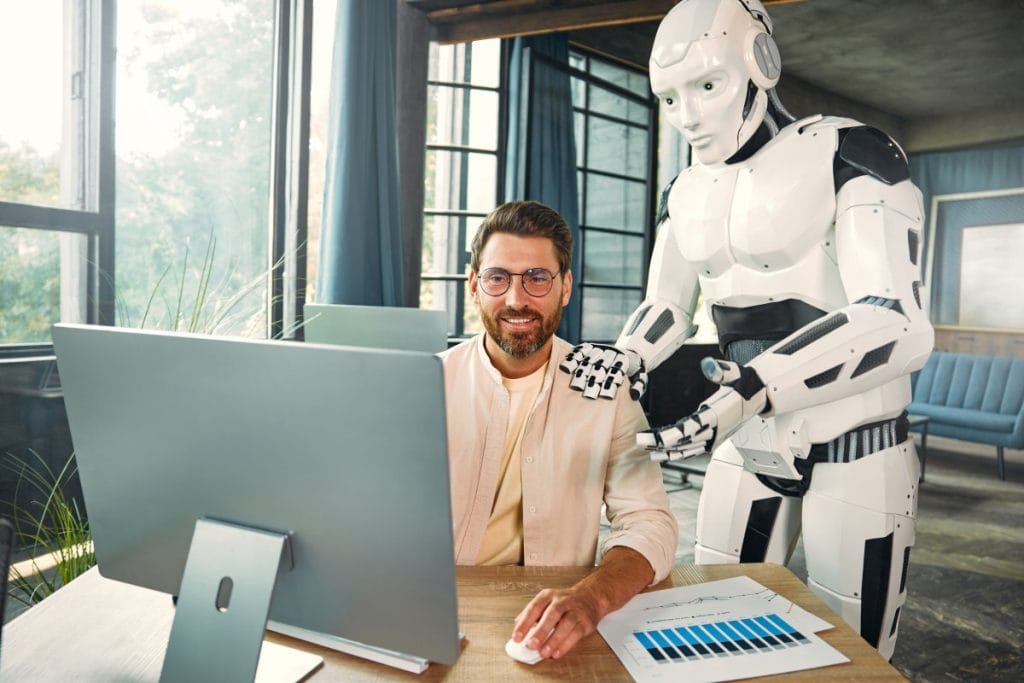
32,140
606,310
31,275
319,113
460,180
473,63
461,116
615,203
194,88
610,258
616,148
614,104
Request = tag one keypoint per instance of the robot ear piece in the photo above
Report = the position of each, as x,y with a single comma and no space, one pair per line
762,58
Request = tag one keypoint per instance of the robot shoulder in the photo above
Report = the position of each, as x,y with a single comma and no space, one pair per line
864,150
663,201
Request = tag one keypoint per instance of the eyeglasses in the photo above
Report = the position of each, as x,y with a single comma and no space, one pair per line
536,281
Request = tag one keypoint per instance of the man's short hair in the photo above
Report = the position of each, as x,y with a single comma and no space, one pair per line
528,219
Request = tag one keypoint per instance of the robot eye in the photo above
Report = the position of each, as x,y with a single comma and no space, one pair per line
668,101
709,85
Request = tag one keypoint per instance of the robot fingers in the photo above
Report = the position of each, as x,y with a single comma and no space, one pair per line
720,371
597,370
638,382
575,358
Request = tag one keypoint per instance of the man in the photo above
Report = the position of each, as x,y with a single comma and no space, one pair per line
530,464
804,239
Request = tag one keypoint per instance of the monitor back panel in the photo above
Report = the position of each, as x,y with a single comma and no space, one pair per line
344,447
379,327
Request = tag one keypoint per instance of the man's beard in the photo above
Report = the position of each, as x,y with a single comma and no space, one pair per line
520,344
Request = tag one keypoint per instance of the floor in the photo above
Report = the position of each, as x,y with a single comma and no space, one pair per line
964,617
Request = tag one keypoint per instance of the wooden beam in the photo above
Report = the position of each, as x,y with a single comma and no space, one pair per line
507,18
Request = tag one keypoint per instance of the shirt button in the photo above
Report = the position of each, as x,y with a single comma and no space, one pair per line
533,508
529,458
533,556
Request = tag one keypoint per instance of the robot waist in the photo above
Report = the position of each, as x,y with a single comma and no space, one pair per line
853,445
770,322
862,441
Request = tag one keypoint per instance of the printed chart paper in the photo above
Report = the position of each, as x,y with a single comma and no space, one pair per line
716,631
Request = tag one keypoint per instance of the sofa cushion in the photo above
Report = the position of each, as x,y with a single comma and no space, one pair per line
993,384
964,417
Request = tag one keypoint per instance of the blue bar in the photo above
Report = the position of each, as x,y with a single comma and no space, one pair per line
652,650
692,640
765,636
707,640
787,627
749,635
735,635
660,640
678,643
725,640
774,630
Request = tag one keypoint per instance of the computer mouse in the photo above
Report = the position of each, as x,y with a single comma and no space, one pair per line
520,652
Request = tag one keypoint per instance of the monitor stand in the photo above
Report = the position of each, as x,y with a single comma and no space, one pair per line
223,604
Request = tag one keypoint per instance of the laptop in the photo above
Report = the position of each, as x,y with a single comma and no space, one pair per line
379,327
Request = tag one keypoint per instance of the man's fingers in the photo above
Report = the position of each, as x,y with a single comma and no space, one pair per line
530,614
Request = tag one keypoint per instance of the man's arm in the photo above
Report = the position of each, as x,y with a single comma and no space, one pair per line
567,616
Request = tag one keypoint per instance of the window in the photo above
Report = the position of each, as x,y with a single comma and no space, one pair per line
194,95
54,182
462,162
615,137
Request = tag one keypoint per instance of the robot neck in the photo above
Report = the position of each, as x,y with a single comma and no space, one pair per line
759,139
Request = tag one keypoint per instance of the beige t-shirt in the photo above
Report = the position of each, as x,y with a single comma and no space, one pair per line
503,539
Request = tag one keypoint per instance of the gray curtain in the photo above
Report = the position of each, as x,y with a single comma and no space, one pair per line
360,237
964,171
541,146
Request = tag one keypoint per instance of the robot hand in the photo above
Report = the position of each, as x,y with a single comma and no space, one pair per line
598,369
741,397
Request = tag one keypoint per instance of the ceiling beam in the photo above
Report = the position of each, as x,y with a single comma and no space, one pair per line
507,18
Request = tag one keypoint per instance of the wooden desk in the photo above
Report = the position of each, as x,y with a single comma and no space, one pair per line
95,629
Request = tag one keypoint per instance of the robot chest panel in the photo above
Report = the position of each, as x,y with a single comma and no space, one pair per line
769,214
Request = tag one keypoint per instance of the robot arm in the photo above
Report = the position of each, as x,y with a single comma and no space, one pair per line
654,331
884,334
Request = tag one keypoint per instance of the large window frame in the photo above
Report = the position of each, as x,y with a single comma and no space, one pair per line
92,29
89,165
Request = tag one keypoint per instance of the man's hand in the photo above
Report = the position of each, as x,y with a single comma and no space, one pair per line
741,397
556,620
597,370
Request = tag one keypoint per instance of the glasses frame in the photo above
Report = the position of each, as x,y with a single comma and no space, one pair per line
522,281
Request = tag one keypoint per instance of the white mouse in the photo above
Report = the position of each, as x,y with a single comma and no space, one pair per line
520,652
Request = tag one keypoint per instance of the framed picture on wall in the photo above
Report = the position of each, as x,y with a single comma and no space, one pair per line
975,259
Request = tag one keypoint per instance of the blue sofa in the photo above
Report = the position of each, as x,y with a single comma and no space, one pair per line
973,398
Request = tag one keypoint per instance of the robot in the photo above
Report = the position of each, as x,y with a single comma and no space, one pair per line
804,239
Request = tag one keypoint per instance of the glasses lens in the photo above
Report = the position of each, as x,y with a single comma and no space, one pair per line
495,281
537,281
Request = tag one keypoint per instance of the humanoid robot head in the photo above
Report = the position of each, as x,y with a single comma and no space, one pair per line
711,66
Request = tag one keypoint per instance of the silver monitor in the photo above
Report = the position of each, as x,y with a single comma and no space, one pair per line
341,449
379,327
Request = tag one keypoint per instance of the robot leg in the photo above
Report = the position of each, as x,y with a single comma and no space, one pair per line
739,519
858,525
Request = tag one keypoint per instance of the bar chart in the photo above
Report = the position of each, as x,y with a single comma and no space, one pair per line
720,630
682,643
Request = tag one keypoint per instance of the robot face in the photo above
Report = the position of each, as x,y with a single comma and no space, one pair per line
703,96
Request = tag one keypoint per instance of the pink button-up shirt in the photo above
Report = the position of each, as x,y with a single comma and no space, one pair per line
577,453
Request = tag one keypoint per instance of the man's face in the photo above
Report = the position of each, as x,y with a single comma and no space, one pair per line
703,95
518,323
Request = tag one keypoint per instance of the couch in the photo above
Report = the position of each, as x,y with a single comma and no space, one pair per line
971,397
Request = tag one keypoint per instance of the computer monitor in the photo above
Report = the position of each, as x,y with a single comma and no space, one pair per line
342,449
379,327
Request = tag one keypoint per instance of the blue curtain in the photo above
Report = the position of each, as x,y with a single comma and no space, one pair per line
964,171
360,237
541,145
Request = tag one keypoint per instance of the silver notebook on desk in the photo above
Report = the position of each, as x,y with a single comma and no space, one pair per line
378,327
301,438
